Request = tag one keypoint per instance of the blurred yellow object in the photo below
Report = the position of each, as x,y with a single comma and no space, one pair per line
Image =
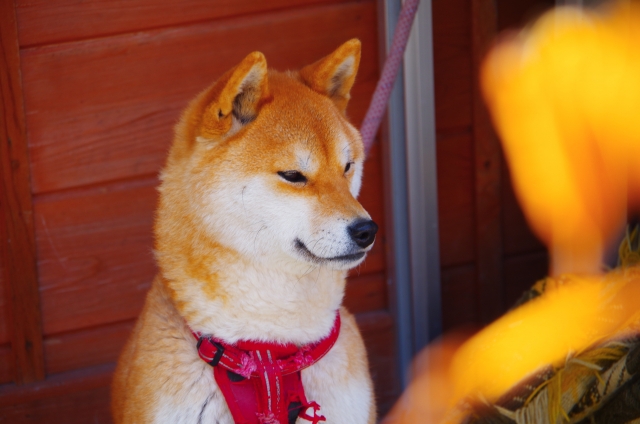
565,99
572,315
568,324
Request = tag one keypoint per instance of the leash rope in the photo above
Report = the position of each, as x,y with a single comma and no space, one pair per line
381,95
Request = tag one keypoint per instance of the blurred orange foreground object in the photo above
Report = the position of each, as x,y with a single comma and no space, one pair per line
429,397
565,99
572,315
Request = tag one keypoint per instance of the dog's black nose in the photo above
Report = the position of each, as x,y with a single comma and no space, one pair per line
363,233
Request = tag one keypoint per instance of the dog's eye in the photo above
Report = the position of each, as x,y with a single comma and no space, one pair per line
293,176
348,167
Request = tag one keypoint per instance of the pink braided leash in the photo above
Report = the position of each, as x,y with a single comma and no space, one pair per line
378,104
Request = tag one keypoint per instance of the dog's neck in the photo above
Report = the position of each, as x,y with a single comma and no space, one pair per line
244,300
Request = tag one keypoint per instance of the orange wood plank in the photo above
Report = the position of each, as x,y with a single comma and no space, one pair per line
378,332
76,397
516,14
51,21
18,244
79,407
366,293
86,348
104,109
459,296
95,254
86,379
456,199
521,272
6,364
452,63
517,236
488,170
4,312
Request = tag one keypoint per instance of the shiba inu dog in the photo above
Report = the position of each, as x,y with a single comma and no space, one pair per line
256,227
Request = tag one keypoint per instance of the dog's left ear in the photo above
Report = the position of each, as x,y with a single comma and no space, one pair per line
335,74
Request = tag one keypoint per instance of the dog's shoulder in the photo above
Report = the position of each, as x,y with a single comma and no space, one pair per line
160,377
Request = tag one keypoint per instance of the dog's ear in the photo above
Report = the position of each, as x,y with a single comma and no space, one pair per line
335,74
236,98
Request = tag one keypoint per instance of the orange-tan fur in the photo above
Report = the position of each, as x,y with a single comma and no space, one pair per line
246,254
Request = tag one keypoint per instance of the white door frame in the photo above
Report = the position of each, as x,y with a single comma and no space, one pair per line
414,271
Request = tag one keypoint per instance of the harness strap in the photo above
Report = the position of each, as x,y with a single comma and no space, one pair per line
261,382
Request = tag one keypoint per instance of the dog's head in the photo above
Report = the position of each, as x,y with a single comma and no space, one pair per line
266,165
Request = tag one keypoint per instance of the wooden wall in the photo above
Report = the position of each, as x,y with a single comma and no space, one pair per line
91,91
488,255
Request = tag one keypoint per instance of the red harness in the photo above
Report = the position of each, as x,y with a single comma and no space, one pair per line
261,382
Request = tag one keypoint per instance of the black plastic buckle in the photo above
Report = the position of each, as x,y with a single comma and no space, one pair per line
219,351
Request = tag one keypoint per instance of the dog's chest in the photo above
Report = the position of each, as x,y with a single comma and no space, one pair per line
201,402
198,400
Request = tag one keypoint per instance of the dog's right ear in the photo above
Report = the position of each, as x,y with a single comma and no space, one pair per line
236,98
335,74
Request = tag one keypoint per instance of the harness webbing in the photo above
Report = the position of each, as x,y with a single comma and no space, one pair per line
261,382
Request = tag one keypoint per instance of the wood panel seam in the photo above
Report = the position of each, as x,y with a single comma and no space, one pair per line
19,247
487,173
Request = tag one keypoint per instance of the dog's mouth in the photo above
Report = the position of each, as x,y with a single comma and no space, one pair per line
300,246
